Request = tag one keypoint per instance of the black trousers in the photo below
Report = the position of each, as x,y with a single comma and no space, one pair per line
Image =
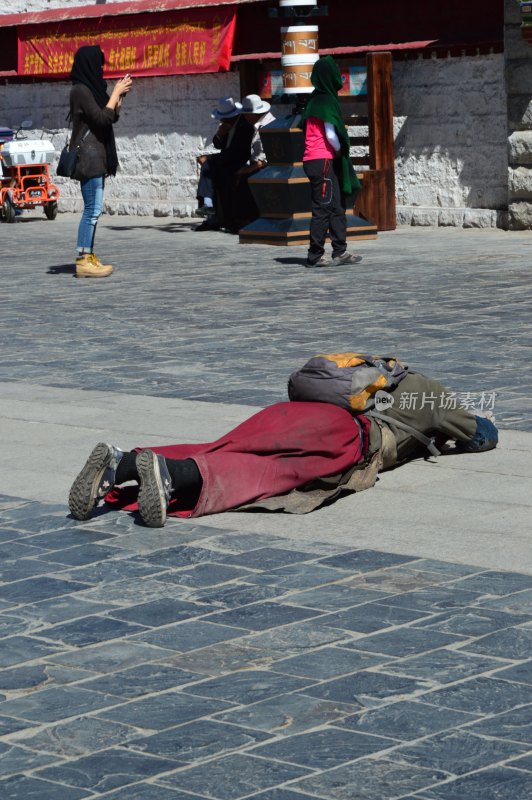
244,208
328,208
216,180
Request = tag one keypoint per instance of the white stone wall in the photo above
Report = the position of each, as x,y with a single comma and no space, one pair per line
451,141
518,69
21,6
165,123
450,137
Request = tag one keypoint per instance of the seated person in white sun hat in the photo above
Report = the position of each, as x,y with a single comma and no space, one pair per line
256,112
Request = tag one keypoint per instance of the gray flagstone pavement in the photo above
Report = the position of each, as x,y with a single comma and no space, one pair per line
379,648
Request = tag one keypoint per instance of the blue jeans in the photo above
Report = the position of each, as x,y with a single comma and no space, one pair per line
92,193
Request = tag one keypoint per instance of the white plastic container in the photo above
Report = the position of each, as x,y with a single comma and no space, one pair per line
27,151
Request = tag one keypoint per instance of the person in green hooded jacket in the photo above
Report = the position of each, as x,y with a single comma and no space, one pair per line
328,166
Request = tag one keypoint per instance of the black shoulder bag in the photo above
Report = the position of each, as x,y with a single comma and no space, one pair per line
68,159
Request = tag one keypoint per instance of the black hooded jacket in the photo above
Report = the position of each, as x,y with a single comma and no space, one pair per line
88,109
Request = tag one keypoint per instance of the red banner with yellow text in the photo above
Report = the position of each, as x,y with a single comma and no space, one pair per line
158,43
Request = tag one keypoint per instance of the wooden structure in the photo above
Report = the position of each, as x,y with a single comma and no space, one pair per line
281,189
376,200
281,192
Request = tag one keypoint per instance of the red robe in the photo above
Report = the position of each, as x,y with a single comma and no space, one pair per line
280,448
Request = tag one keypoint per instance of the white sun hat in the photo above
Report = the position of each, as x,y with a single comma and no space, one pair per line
253,104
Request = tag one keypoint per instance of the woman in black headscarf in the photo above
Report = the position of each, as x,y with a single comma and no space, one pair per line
93,112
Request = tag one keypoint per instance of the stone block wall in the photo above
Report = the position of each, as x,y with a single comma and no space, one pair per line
518,72
450,141
21,6
451,135
165,123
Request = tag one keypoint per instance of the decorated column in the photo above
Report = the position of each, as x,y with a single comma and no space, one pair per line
281,190
299,47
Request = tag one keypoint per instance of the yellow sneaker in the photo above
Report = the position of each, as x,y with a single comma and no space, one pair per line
87,266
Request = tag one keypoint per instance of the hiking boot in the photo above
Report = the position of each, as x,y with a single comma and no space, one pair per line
89,266
96,260
155,488
321,262
94,481
345,258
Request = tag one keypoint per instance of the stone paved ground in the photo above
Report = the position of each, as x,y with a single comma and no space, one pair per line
197,316
195,663
141,664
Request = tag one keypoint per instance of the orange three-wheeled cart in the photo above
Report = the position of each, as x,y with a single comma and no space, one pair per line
25,176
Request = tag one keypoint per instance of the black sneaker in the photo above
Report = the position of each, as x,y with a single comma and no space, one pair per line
94,481
207,225
155,488
205,211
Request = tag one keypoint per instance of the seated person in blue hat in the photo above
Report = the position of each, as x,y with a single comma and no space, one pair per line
226,113
233,138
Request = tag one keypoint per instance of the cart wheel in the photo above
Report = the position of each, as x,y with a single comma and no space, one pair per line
50,209
8,210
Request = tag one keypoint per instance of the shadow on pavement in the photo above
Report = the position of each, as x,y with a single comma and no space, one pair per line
21,218
173,227
61,269
104,510
301,262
